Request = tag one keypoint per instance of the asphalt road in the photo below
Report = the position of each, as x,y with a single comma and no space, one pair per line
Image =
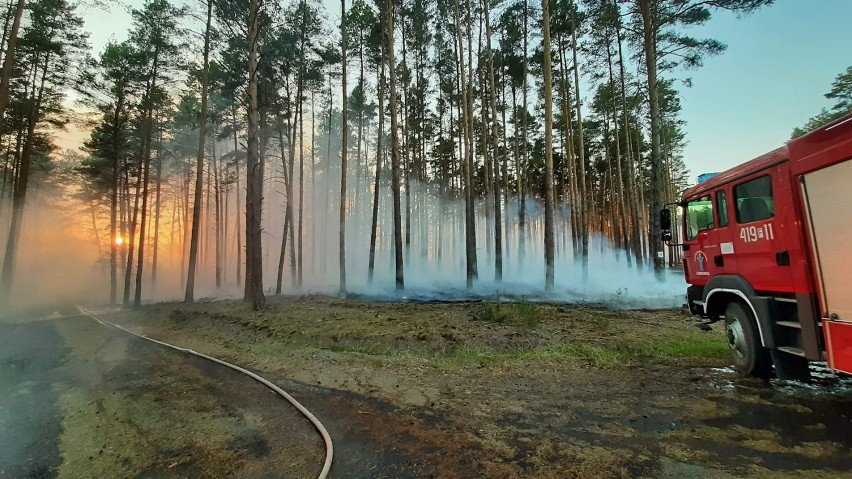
31,358
79,399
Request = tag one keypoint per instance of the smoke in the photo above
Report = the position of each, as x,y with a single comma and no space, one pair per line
435,257
57,257
64,250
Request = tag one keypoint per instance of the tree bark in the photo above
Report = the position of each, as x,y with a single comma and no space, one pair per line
470,238
254,173
395,160
584,199
522,194
498,233
376,196
114,200
199,162
548,149
288,214
237,226
650,46
9,59
20,194
157,205
146,167
639,198
343,154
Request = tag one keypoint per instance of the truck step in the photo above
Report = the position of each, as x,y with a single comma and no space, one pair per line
790,324
787,300
792,350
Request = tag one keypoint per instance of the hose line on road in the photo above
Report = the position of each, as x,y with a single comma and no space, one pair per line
329,447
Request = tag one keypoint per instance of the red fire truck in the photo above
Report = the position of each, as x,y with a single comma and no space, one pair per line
767,246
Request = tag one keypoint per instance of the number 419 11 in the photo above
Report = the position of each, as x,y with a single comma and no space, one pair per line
750,234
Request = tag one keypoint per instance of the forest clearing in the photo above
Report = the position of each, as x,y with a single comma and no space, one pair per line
488,389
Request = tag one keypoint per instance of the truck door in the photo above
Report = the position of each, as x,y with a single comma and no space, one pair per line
760,233
701,243
725,258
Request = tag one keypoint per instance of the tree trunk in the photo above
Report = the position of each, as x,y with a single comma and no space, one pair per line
20,195
498,233
300,104
146,166
406,147
9,59
288,214
114,200
584,199
548,149
376,196
470,238
157,204
570,158
522,194
623,217
131,247
217,202
638,202
301,188
650,40
254,173
343,154
237,227
199,163
397,207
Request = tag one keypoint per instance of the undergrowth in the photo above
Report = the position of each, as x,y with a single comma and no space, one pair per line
524,313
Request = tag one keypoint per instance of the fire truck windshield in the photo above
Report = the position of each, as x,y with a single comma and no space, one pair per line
699,216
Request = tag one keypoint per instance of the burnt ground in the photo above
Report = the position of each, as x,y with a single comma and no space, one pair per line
520,390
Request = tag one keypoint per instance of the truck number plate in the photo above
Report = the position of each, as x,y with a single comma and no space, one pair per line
751,234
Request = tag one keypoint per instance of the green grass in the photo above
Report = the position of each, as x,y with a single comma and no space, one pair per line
616,352
602,339
697,348
524,314
597,356
527,314
619,353
494,313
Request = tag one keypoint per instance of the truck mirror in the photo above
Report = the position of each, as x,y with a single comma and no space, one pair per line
665,219
665,225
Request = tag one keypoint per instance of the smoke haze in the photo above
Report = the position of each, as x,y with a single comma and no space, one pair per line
64,250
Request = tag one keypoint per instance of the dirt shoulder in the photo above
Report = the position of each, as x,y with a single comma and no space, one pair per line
521,390
131,408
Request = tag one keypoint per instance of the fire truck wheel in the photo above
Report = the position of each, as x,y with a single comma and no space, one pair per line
751,359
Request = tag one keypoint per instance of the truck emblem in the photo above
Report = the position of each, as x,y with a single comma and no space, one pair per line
701,259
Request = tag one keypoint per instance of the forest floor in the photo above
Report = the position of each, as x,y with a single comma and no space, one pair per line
512,390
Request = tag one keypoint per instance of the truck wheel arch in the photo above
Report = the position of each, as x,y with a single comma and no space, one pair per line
721,290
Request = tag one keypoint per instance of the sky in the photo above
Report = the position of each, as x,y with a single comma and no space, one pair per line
779,63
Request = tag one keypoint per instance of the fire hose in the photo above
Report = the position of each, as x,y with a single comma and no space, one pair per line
329,447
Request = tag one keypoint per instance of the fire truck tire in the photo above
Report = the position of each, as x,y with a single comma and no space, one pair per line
751,359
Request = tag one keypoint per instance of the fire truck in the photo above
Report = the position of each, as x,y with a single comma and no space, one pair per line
767,246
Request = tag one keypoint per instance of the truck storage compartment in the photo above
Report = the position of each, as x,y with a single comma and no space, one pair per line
828,201
838,345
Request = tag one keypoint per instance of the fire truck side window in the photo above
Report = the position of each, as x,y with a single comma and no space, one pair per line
722,206
754,200
699,216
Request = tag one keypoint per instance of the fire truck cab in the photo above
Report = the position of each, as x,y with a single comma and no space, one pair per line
767,246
